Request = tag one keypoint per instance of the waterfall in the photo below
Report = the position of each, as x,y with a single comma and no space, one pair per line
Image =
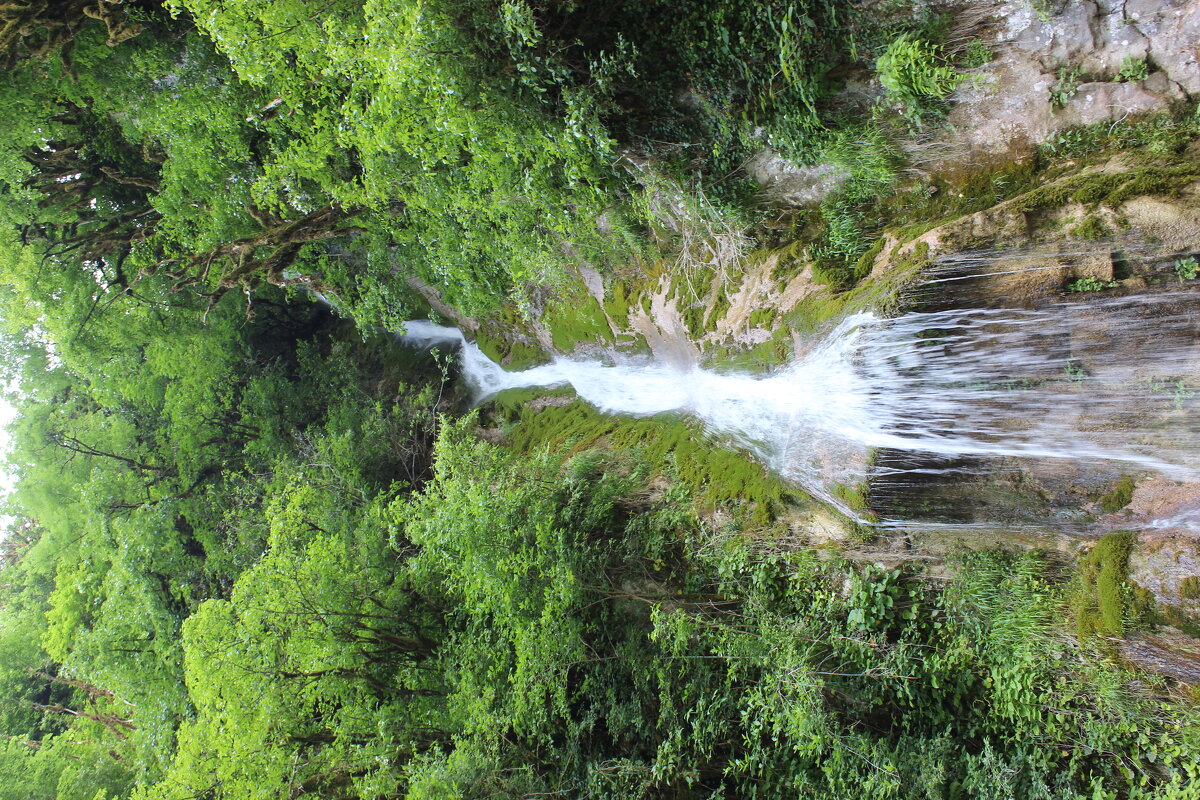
1098,381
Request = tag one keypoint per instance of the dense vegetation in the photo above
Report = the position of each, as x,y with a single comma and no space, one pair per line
257,552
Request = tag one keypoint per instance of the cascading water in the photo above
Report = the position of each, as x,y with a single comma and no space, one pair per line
1085,382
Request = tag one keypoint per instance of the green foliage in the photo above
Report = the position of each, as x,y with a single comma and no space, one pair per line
1069,79
1133,70
916,75
870,161
976,54
1159,134
1177,388
1090,285
1186,269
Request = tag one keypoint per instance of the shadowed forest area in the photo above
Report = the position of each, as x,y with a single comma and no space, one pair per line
258,550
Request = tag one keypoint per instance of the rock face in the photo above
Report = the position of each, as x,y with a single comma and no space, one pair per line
1006,108
786,183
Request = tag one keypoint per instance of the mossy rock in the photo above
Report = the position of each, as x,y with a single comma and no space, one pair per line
1104,593
575,320
1092,229
866,261
1119,497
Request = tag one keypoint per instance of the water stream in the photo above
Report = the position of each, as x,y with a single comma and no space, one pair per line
1109,381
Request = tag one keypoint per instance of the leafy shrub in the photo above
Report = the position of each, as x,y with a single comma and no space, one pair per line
870,160
916,74
976,54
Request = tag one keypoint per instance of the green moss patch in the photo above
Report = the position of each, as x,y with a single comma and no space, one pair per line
1092,228
1119,497
1109,189
1104,592
573,320
763,317
715,474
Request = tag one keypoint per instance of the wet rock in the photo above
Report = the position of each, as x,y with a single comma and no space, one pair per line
1166,652
787,183
1173,222
1168,566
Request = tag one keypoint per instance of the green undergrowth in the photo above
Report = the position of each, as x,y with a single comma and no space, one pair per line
715,474
1103,597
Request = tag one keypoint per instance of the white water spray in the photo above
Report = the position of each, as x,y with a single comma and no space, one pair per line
1077,381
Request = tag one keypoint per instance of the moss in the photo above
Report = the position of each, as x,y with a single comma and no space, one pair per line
715,474
507,406
1103,593
719,309
814,311
492,348
1092,228
693,318
1119,497
853,495
575,320
790,262
524,356
505,340
833,273
1189,587
617,305
917,257
774,351
867,260
1110,189
763,317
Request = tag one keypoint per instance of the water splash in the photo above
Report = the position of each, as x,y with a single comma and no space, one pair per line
1085,382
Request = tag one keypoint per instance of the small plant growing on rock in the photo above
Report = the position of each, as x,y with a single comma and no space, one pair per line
1090,285
1074,372
1067,86
1186,269
1133,70
1178,389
